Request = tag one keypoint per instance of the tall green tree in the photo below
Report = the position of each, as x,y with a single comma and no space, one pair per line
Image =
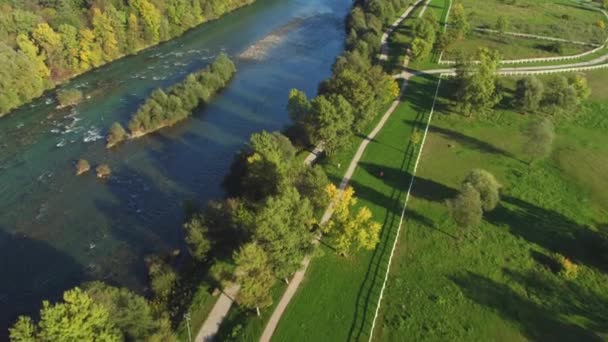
77,318
478,90
529,93
298,105
330,121
254,274
283,228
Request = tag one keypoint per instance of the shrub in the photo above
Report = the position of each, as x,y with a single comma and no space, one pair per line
82,166
116,135
103,171
567,268
487,186
69,97
466,208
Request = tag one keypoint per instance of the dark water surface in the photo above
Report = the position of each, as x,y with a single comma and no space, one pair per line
57,229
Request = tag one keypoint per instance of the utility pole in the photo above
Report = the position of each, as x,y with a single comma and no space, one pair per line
187,317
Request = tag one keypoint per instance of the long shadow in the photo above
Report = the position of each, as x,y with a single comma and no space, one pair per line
390,225
540,322
32,270
469,141
551,230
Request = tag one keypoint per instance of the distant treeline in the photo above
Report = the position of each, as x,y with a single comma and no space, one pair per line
165,108
44,42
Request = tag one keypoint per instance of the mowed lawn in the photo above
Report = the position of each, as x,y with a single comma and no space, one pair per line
498,282
337,299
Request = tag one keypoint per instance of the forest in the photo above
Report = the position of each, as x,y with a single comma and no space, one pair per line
45,42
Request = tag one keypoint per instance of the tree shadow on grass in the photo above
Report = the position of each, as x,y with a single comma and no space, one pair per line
469,141
552,230
539,313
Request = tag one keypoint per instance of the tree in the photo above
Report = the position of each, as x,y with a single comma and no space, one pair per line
130,313
254,274
77,318
283,228
197,238
116,135
330,121
134,34
311,184
502,25
529,93
31,51
478,89
420,48
559,95
466,208
487,186
540,135
356,89
347,227
151,18
580,85
270,164
90,52
162,280
298,105
605,4
459,26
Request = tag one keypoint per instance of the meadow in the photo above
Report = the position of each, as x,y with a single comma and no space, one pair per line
499,281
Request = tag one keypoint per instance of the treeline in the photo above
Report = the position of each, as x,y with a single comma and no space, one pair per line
44,42
165,108
357,90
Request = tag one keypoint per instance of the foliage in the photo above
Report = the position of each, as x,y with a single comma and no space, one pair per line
69,97
347,227
311,185
567,268
82,166
466,209
130,313
478,89
197,238
425,32
540,134
330,121
55,40
116,135
254,274
487,186
529,93
77,318
298,105
177,103
283,228
163,279
459,22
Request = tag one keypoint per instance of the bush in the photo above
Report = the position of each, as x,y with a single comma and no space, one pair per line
116,135
567,268
103,171
69,97
466,208
82,166
487,186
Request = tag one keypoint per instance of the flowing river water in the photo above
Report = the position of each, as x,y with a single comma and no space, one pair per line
58,229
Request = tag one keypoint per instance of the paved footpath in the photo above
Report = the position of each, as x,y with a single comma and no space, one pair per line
384,39
217,314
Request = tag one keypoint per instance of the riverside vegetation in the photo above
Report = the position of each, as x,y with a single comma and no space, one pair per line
265,227
45,42
165,108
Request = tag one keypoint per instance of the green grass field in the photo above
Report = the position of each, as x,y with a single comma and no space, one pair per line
336,302
567,19
497,282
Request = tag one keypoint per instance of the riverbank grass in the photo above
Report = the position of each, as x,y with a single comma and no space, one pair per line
506,279
335,301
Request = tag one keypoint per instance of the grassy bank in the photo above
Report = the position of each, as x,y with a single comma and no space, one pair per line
337,299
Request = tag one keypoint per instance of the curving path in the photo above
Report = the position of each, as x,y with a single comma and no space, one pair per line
384,39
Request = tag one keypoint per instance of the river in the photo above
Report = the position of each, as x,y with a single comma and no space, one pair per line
58,229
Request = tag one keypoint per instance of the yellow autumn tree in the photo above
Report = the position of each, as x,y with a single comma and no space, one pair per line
350,229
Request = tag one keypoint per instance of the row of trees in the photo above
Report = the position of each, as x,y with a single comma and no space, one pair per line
95,312
271,219
556,94
43,42
165,108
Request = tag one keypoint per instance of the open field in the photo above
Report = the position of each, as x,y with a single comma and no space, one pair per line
565,19
511,47
498,281
337,300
